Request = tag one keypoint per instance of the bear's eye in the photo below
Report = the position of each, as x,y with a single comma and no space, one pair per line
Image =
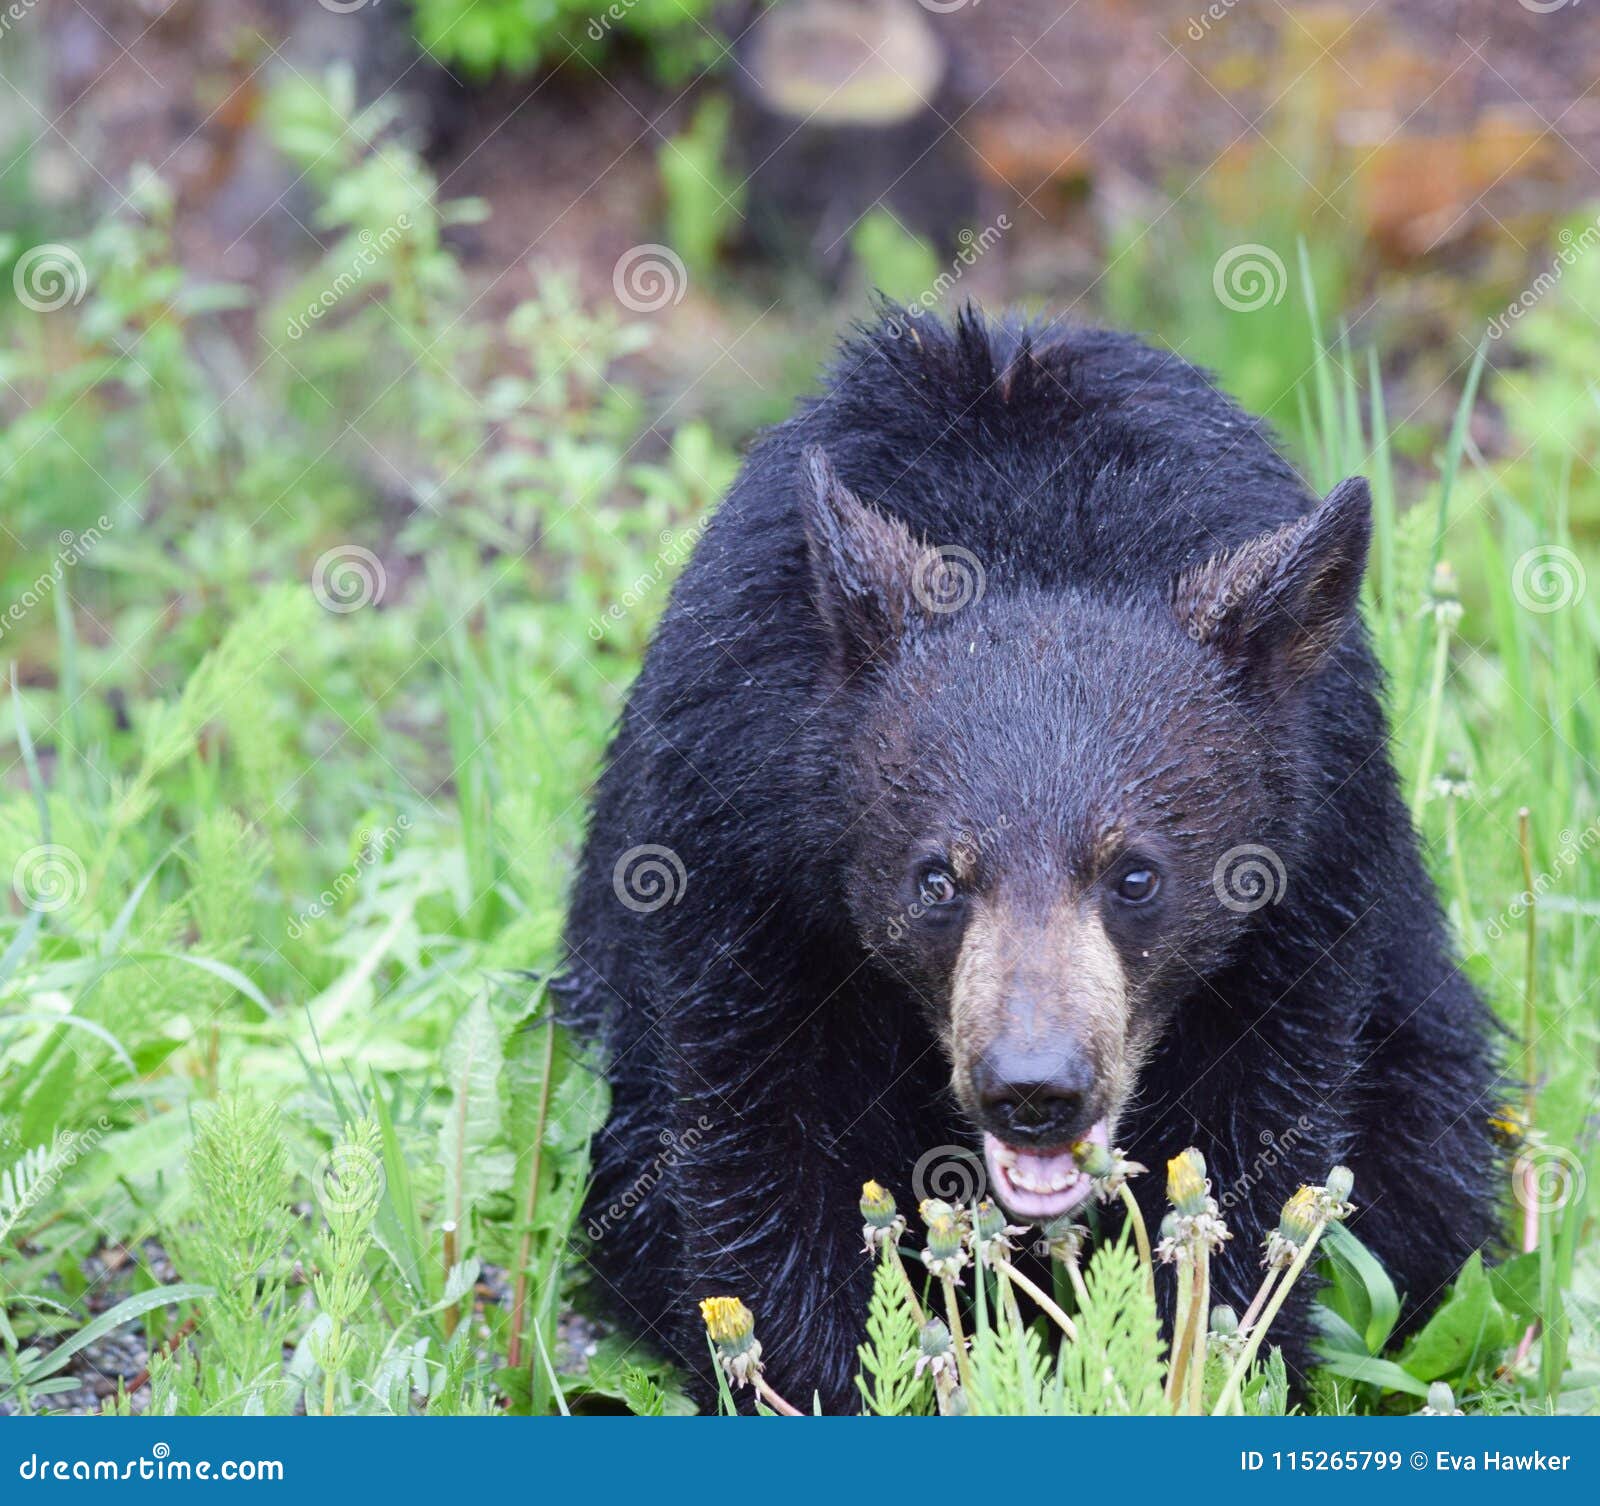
1137,885
935,887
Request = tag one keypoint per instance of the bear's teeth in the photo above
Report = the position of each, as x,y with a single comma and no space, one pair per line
1039,1173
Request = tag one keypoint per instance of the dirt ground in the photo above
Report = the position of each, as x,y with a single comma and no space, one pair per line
1457,117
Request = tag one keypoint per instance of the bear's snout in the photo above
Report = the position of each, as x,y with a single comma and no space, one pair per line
1034,1093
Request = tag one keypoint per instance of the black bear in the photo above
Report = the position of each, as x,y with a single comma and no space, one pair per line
1009,767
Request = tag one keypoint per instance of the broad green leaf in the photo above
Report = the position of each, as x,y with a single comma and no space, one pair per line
472,1062
1465,1329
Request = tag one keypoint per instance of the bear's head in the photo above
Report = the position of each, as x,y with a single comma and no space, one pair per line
1064,808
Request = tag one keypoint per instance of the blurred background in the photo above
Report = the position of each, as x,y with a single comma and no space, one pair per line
368,369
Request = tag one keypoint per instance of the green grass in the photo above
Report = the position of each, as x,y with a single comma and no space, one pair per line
316,640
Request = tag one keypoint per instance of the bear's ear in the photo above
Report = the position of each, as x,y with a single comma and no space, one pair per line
1278,605
863,567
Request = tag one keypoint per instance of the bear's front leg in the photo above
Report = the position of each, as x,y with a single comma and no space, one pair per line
770,1219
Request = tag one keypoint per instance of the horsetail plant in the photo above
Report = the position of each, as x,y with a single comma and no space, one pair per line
349,1185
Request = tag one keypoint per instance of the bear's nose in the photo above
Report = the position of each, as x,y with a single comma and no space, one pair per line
1034,1096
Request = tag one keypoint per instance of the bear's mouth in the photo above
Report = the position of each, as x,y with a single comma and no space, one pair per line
1038,1184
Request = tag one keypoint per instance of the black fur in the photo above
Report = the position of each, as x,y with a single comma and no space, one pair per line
770,1048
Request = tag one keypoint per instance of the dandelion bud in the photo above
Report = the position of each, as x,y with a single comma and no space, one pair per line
1441,1401
946,1251
934,1207
1186,1181
877,1205
1224,1320
1446,593
1299,1217
988,1221
1063,1238
1094,1159
935,1351
944,1237
1334,1202
1454,780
